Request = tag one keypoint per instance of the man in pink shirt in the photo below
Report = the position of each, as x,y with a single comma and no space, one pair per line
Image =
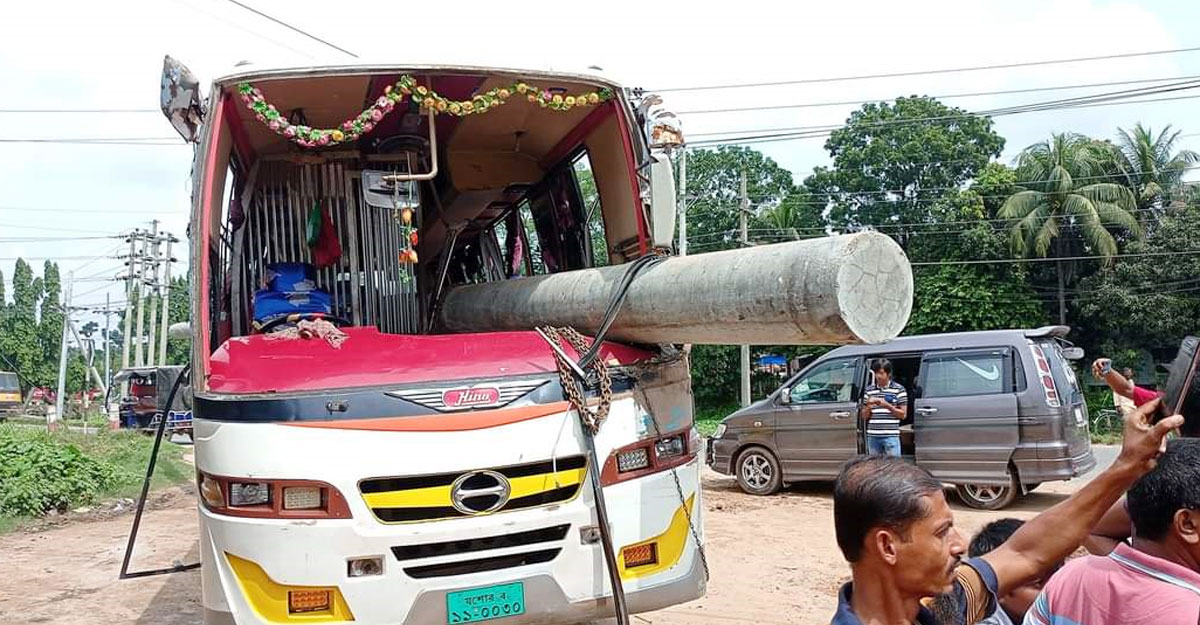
1154,579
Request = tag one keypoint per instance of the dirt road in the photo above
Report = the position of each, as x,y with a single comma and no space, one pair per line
773,560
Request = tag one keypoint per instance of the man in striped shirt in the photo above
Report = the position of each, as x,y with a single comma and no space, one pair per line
1153,579
885,404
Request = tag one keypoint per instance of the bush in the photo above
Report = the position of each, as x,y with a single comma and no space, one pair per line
40,472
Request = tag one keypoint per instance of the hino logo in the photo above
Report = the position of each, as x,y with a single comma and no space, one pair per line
480,492
484,395
470,397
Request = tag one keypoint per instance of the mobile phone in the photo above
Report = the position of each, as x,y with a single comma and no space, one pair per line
1182,391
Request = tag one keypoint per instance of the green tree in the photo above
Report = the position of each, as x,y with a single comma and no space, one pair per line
796,216
1151,166
19,335
713,188
957,297
50,323
179,310
1064,192
890,161
1146,302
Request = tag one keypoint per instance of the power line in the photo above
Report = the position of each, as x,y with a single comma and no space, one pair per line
1097,294
826,133
245,30
927,72
293,28
151,141
1019,183
924,224
52,239
1051,260
47,228
52,258
102,287
1096,99
95,111
779,107
83,210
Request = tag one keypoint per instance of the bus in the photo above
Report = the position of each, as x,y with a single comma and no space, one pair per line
356,461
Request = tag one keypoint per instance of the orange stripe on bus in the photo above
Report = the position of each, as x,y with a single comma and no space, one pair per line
442,423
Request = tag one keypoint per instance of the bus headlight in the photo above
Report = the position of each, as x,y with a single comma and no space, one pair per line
301,497
644,457
249,493
272,499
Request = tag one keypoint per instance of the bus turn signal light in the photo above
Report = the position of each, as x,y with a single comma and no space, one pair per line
640,555
300,601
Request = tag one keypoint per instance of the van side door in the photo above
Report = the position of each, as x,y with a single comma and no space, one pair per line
965,426
815,424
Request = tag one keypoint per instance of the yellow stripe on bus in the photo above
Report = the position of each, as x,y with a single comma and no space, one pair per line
439,496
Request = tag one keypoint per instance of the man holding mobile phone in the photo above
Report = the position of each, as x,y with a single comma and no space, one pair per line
885,404
1103,370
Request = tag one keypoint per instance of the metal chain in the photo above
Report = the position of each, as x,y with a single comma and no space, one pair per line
593,420
683,501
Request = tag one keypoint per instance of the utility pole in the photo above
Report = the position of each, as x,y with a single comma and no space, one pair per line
138,342
743,210
107,340
683,203
113,423
59,403
152,297
132,262
166,302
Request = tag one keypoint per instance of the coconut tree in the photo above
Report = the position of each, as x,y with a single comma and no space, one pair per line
1150,165
1065,187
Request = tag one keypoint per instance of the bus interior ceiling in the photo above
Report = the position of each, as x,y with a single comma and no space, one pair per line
506,202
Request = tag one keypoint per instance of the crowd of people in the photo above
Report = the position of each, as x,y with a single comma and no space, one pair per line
1139,519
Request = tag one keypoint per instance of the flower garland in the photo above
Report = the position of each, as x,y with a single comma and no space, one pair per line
408,233
422,96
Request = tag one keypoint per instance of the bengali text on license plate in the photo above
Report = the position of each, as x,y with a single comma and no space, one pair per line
485,604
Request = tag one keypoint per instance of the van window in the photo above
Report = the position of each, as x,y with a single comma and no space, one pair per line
828,382
966,374
1064,376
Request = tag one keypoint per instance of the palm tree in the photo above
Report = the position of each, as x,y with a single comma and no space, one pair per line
796,216
1150,166
1065,188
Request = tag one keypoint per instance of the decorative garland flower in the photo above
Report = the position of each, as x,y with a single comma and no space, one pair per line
428,99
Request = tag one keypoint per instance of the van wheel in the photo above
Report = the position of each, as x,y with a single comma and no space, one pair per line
989,496
758,472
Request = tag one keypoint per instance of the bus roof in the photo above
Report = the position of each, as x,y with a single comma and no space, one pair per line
245,70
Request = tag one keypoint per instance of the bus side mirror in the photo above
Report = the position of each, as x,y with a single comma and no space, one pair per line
180,99
662,199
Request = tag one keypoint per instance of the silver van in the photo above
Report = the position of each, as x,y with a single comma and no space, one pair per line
994,413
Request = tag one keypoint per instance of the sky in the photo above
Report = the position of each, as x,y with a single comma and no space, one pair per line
74,54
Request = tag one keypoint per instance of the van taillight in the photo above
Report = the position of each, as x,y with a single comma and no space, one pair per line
650,455
1045,376
271,499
